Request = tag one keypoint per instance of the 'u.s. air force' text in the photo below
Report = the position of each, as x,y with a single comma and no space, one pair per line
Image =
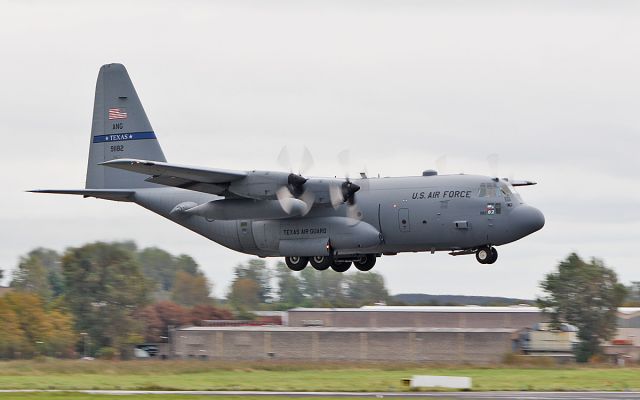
447,194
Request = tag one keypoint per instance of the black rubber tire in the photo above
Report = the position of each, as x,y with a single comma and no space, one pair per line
341,266
493,257
296,263
321,263
365,263
483,255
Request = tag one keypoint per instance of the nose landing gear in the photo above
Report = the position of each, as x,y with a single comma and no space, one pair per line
487,255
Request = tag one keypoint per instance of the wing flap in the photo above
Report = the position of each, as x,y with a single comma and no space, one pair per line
182,183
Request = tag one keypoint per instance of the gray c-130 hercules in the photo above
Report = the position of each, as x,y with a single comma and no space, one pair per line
328,222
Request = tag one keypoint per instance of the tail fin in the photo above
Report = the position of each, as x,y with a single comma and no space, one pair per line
120,129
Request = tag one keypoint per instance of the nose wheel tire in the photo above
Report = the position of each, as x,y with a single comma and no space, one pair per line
365,263
487,255
321,262
296,263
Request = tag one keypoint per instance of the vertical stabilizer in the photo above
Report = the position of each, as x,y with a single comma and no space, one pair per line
120,129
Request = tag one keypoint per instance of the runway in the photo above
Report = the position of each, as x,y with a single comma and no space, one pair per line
378,395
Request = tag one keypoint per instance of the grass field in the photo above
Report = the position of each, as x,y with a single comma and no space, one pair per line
82,396
198,375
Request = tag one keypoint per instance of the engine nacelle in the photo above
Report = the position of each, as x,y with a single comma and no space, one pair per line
259,185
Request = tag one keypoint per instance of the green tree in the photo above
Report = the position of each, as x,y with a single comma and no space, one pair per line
190,290
105,287
187,264
39,272
158,266
289,288
366,288
633,296
587,295
324,288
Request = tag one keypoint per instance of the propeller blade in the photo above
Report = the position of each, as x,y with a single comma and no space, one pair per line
309,198
441,164
335,196
284,160
307,161
344,159
493,160
284,196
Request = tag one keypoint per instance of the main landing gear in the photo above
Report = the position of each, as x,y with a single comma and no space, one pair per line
487,255
362,263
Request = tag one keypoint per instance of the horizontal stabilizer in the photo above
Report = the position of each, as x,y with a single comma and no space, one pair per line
107,194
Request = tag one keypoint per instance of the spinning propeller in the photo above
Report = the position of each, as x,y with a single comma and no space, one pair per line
297,187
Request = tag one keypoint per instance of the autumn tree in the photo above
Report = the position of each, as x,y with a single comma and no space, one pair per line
244,294
105,287
190,289
42,331
255,270
205,312
587,295
13,341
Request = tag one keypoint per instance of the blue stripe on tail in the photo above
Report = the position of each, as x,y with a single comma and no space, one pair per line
120,137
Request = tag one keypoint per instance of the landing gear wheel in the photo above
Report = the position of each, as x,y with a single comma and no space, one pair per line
487,255
365,263
483,255
321,262
494,256
296,263
341,266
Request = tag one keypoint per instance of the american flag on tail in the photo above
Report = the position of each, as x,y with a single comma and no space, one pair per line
117,113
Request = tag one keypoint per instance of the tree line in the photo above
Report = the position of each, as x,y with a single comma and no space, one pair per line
117,296
103,298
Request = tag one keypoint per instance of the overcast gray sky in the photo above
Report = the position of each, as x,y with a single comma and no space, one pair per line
551,86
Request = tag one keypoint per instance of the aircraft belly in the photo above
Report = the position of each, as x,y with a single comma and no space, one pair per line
310,236
163,201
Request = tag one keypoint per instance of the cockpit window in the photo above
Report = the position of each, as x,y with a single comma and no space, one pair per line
509,192
488,190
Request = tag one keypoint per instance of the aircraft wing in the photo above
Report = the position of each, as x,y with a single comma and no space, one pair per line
201,179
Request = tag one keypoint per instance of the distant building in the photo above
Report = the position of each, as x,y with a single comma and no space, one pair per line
450,345
510,317
449,334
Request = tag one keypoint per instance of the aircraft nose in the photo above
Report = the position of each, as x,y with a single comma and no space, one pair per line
527,219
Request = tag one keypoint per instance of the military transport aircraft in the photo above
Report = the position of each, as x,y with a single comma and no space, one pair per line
329,222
